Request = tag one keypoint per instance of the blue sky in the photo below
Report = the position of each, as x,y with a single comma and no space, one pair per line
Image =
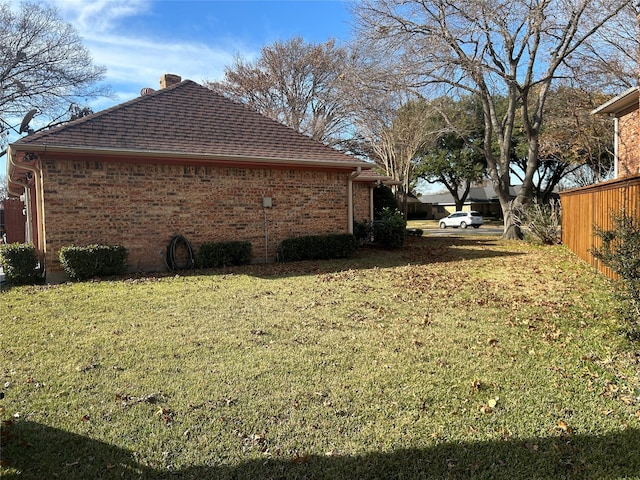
139,40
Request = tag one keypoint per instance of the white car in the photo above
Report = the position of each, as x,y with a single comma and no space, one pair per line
462,220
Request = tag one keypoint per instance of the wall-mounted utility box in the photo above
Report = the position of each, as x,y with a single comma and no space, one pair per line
266,202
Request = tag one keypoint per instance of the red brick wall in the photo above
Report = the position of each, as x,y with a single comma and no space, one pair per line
361,201
141,206
629,144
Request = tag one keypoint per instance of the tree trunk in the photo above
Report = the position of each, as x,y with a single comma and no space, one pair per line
512,230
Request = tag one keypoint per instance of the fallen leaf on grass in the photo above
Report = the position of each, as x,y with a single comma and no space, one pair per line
87,368
166,415
489,406
628,400
564,427
151,398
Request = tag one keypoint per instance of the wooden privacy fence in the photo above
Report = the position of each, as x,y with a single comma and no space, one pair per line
591,206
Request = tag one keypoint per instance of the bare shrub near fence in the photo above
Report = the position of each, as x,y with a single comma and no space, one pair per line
542,221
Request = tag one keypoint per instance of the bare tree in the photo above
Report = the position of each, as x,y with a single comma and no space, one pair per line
575,146
609,60
490,48
295,83
3,187
392,128
43,64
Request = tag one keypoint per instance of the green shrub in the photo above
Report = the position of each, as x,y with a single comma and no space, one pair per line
20,264
224,254
384,200
82,263
389,229
317,247
363,231
620,251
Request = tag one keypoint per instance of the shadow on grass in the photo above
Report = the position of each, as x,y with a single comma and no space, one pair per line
40,452
416,251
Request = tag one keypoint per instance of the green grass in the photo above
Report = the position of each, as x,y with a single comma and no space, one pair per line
451,358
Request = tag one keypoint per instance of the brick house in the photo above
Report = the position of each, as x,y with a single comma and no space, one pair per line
624,109
182,160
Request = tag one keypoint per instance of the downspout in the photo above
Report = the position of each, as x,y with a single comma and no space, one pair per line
616,141
27,193
352,176
371,212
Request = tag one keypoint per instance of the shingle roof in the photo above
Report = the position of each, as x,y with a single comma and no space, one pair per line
476,195
187,118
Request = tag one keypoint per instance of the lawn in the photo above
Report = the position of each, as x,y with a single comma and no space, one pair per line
451,358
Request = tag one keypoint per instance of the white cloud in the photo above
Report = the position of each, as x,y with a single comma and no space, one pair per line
140,61
135,59
99,15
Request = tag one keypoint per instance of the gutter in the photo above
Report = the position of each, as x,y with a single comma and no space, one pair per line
203,157
37,175
350,198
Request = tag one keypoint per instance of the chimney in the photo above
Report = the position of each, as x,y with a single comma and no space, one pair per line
169,79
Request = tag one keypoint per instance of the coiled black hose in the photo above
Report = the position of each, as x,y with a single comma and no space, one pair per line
172,262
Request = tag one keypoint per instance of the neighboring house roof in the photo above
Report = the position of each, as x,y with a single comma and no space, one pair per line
187,120
621,105
476,195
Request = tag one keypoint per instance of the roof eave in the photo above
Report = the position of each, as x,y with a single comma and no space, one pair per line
623,103
201,157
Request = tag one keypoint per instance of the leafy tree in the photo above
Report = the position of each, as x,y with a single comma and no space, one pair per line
492,49
43,64
449,158
453,164
295,83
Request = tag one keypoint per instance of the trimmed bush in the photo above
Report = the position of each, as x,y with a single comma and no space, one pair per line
20,263
317,247
389,229
82,263
363,231
224,254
